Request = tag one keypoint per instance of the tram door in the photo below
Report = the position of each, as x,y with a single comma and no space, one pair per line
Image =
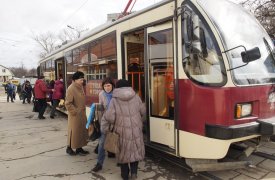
161,84
60,69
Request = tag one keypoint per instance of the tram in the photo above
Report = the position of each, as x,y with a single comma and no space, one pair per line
204,69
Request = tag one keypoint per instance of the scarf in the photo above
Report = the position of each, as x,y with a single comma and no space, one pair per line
109,97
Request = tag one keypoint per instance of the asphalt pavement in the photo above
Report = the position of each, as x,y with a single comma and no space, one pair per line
31,148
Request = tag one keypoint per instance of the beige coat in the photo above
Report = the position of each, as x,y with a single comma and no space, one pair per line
75,105
127,109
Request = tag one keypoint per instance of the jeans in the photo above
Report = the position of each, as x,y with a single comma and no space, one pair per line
54,105
9,95
28,97
43,105
125,169
101,150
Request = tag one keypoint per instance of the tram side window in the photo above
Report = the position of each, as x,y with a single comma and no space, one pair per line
80,59
49,70
70,67
202,59
102,64
42,68
103,58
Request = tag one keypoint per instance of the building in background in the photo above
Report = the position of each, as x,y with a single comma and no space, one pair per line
5,74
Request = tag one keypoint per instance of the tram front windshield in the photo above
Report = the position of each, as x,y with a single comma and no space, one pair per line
238,27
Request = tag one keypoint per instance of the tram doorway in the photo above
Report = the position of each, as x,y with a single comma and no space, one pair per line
60,69
134,61
153,79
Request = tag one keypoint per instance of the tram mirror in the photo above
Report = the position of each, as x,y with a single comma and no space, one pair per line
251,55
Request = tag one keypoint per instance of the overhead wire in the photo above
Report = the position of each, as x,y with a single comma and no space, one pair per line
73,14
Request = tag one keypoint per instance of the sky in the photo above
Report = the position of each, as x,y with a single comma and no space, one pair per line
20,19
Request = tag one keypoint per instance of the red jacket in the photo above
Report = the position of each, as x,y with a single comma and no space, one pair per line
58,90
40,89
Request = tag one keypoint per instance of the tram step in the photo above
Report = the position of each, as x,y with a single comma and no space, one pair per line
267,126
199,165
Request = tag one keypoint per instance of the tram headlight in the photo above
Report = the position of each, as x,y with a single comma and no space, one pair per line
243,110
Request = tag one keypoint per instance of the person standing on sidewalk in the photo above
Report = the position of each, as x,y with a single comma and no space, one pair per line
126,111
27,92
105,97
9,89
57,95
40,91
75,105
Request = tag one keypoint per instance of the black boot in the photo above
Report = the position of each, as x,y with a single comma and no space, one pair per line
97,167
111,155
81,152
70,151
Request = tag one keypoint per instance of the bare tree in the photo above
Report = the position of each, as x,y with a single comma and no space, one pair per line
19,71
32,72
71,33
46,41
264,11
49,41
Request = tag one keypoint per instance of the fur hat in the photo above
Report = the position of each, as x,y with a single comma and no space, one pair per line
122,83
78,75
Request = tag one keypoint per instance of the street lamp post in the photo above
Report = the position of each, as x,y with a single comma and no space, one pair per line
78,33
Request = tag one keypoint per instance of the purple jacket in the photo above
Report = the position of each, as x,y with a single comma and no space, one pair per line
58,90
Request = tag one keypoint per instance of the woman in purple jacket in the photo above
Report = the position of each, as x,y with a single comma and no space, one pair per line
58,94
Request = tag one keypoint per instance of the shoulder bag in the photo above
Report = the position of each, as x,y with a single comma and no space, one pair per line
111,143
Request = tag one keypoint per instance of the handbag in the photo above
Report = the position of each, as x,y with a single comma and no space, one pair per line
36,106
96,131
94,128
111,143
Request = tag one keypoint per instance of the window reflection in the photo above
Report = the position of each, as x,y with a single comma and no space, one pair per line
206,66
161,74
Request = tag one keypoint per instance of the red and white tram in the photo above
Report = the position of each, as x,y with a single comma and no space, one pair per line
205,70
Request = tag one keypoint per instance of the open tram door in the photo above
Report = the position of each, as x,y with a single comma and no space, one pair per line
160,81
60,68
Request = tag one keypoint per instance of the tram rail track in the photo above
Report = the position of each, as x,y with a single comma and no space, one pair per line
180,162
256,153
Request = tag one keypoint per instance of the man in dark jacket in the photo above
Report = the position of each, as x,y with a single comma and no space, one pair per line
10,88
27,92
40,91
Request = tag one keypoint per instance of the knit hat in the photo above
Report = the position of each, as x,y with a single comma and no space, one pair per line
122,83
78,75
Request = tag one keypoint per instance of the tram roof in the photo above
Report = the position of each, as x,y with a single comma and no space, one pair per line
103,27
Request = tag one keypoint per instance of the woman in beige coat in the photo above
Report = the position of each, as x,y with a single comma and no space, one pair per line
75,105
125,111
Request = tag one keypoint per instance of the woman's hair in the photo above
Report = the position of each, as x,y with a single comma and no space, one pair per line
108,80
122,83
78,75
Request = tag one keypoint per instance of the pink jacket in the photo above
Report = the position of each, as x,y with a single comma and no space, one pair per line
58,90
